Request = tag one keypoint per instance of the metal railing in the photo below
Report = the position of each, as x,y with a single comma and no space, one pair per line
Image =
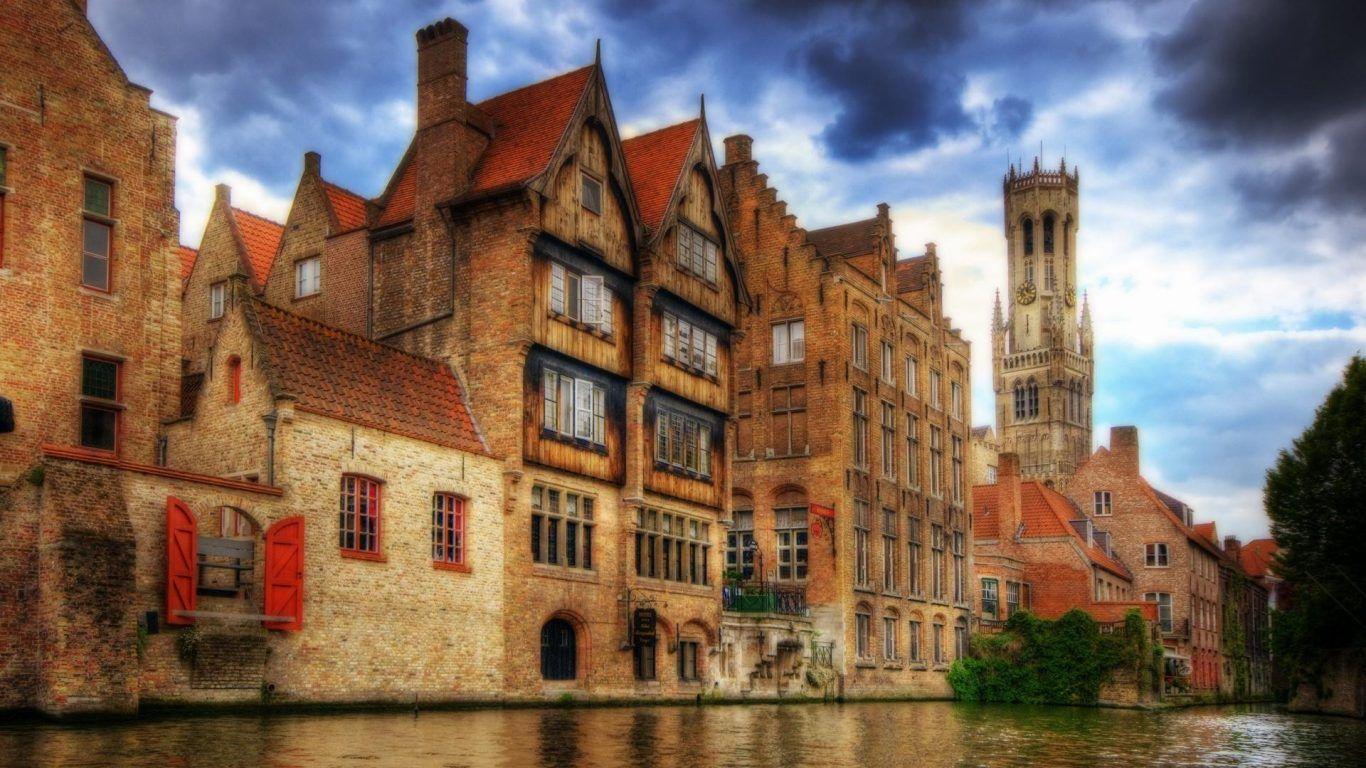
823,655
764,597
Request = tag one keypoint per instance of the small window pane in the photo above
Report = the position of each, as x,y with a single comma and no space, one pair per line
99,428
99,378
97,196
592,194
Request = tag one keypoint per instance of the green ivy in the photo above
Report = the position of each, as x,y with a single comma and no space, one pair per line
1035,661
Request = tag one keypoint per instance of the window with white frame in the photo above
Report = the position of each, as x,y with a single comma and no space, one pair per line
582,298
789,341
912,375
1164,608
218,293
574,408
935,379
307,277
793,537
697,253
689,345
956,399
682,443
858,341
888,367
1101,502
1156,555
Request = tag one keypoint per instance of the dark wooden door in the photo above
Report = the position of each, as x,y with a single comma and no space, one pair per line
558,649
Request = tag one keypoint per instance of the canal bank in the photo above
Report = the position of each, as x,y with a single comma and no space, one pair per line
851,734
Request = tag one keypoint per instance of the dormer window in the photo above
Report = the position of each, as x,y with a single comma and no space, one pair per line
696,253
582,298
590,193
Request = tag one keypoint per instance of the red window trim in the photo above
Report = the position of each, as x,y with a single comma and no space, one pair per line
377,553
106,220
462,565
235,379
116,405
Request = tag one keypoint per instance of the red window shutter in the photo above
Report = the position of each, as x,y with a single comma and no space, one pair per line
285,574
182,561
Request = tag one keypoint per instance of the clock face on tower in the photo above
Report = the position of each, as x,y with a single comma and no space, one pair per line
1026,294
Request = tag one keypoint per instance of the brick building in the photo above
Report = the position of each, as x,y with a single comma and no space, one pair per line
852,400
1173,565
1035,550
88,237
1245,624
984,450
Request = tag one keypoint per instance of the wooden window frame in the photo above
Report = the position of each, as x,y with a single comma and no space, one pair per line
889,638
105,220
697,254
450,532
582,300
787,345
1156,554
683,444
555,531
114,406
562,400
672,547
991,598
298,277
586,178
858,345
700,359
792,538
1102,504
690,654
218,299
356,488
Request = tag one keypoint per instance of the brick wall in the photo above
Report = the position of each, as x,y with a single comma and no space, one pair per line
66,116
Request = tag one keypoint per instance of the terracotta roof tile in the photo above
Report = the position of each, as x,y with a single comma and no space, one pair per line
399,206
855,238
528,124
1048,513
351,378
262,239
348,206
1258,557
1207,530
655,162
912,273
984,524
187,256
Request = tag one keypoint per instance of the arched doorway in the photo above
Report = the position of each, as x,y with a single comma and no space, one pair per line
558,651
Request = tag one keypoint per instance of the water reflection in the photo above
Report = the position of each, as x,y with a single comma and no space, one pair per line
764,736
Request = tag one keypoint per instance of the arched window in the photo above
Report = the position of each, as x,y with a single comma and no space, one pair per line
1028,227
1048,224
1033,404
1019,401
558,650
234,379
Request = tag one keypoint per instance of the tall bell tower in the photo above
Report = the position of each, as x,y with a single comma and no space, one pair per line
1043,371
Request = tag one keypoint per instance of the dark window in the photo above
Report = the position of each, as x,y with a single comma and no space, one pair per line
1048,233
689,653
1028,236
682,443
359,515
591,193
100,403
97,234
448,529
644,658
558,650
561,528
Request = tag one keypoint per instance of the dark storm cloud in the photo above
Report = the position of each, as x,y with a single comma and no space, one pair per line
1270,74
1010,115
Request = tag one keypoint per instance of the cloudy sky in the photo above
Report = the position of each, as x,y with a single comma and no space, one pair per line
1222,148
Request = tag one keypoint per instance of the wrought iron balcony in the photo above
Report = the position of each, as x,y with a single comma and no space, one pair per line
763,597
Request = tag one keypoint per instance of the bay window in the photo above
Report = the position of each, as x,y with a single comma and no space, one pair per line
688,345
581,298
574,408
682,443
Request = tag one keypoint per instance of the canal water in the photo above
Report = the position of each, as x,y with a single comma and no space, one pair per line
890,734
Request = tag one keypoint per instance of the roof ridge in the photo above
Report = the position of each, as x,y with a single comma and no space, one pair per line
533,84
245,212
869,220
661,129
340,188
343,333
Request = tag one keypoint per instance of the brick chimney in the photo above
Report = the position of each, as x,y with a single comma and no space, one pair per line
1233,547
1124,447
739,149
1007,496
442,151
313,164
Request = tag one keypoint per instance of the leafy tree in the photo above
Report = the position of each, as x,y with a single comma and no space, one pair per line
1316,499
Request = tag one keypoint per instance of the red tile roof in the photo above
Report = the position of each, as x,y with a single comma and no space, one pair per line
1258,557
399,206
528,124
855,238
348,207
351,378
187,258
1207,530
261,236
1045,514
912,273
655,161
1174,508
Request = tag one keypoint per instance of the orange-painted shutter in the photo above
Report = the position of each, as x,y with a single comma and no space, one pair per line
182,561
285,574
